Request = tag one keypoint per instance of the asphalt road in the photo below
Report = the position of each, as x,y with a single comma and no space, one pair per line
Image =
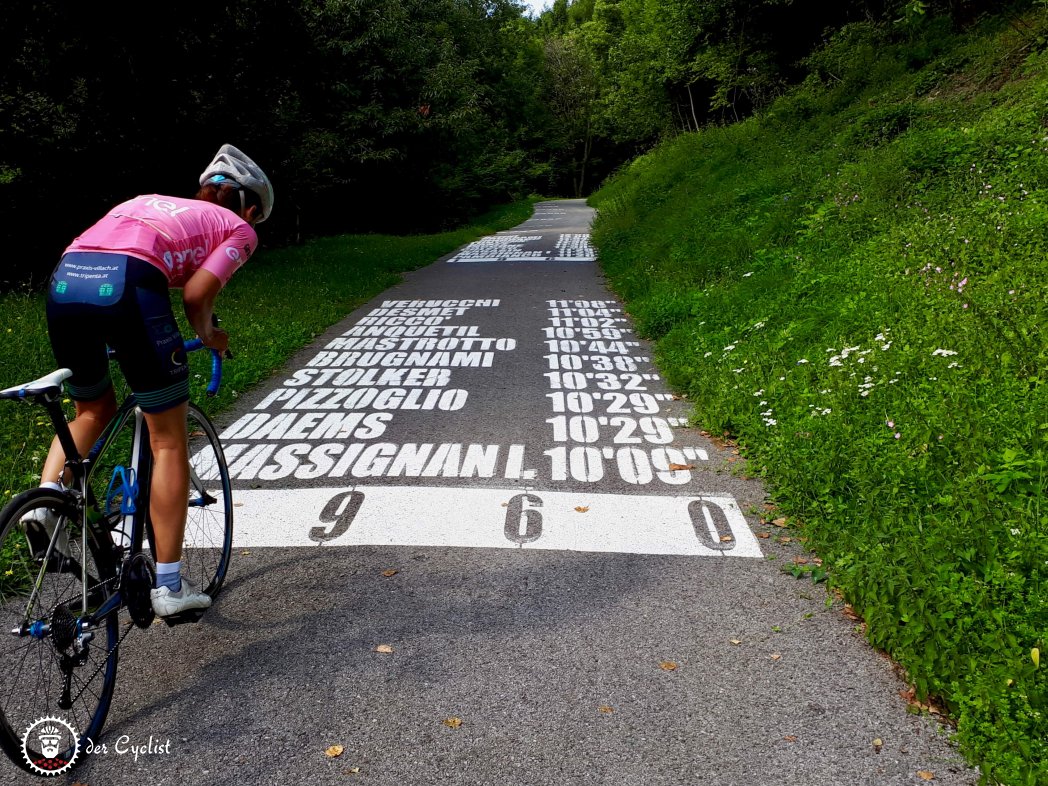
482,472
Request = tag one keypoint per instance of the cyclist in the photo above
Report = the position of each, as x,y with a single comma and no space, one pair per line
110,288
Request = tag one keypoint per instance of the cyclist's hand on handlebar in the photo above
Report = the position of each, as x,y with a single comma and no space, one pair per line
219,340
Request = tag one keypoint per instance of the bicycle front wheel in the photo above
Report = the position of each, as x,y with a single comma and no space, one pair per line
50,666
208,539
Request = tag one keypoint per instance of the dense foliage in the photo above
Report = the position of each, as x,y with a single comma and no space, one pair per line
851,283
372,115
384,115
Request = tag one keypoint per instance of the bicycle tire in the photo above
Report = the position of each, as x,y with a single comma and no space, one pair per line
208,540
31,666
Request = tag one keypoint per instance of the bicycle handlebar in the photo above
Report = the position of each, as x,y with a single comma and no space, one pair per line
216,364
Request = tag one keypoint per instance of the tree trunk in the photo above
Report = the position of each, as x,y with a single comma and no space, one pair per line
691,100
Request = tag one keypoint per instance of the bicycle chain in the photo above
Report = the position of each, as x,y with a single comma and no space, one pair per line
114,648
105,660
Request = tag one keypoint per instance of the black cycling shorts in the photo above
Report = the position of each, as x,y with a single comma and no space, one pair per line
99,301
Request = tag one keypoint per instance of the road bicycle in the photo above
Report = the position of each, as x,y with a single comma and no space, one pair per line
69,598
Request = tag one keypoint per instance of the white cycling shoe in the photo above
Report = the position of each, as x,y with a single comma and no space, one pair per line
167,603
39,525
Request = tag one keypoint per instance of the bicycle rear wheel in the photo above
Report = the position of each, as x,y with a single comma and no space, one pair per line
208,540
46,666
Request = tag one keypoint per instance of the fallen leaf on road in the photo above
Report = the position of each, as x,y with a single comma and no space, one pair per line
775,656
505,504
726,538
735,641
238,504
924,775
384,648
668,665
916,706
763,535
790,738
354,770
452,723
581,508
388,573
780,522
334,751
675,467
878,744
849,612
606,708
800,561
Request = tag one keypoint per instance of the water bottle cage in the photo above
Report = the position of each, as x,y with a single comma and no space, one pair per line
127,489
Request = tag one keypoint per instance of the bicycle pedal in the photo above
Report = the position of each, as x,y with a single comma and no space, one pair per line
185,617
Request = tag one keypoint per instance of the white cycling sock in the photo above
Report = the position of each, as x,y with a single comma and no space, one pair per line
50,484
169,574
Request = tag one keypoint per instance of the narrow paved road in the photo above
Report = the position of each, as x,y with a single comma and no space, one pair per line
482,470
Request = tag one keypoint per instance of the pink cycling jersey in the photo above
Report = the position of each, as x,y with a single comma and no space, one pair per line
177,236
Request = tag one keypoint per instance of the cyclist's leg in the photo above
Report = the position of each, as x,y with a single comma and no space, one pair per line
169,488
91,419
168,496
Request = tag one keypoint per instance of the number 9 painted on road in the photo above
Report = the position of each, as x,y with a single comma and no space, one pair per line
339,514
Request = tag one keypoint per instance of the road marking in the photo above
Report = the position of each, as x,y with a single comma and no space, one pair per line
704,525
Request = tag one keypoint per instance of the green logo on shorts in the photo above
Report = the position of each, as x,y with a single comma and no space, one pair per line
106,290
61,287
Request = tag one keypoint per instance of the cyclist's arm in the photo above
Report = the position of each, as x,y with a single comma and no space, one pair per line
198,300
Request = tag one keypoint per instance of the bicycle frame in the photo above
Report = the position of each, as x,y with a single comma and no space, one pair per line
132,524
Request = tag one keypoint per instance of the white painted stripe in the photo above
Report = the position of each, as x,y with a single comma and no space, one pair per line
493,518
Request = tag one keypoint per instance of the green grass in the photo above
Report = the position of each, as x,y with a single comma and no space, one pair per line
853,286
276,304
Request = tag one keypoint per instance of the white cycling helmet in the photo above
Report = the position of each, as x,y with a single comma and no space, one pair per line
230,163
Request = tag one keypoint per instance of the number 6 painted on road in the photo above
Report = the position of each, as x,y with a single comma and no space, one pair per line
523,525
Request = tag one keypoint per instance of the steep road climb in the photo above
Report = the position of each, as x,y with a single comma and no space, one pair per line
476,542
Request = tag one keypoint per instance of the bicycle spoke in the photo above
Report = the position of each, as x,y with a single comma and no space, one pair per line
45,589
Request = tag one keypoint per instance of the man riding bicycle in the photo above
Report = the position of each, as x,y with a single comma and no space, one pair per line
111,290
